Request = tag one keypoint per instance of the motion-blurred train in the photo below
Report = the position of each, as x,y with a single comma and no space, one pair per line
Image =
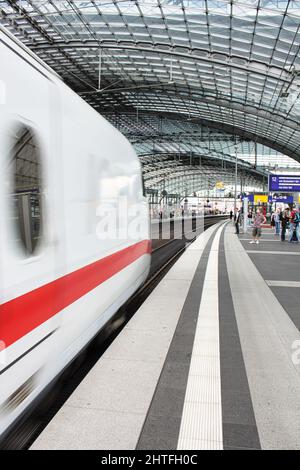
63,170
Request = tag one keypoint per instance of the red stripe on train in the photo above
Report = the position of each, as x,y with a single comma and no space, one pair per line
20,316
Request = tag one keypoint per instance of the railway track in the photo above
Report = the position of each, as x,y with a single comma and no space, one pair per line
164,255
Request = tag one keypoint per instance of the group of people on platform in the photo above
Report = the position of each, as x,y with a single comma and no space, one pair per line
286,223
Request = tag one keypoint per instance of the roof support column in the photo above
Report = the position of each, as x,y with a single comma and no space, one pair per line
236,176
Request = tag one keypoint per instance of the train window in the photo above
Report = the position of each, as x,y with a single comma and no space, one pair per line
26,189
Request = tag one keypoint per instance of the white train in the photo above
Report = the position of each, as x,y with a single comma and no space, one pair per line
61,164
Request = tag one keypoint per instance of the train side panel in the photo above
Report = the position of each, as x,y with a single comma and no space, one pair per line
27,338
54,301
102,185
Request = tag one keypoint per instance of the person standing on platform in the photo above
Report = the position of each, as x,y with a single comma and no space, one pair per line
297,222
294,226
258,221
230,215
273,224
249,218
276,216
285,220
237,221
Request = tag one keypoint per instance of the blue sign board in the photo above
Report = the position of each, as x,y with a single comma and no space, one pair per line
284,198
284,183
281,198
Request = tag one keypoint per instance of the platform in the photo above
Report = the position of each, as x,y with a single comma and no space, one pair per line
278,263
207,362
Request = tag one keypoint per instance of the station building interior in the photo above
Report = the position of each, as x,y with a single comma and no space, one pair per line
192,84
208,94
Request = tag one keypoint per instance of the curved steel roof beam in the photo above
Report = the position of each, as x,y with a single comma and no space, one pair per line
256,67
243,133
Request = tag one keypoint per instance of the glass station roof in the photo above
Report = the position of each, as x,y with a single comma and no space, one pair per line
229,65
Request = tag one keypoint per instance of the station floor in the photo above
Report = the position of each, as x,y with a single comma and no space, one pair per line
211,360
